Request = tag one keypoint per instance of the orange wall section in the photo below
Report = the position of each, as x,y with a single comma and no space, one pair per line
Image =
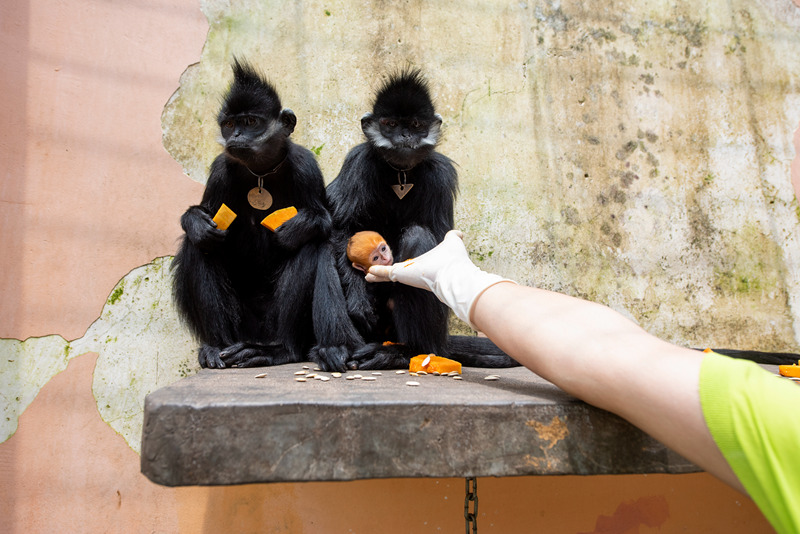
88,191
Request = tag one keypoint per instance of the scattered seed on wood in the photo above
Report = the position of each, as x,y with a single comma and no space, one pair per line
414,374
412,383
317,369
399,372
306,367
369,378
357,376
457,378
311,375
336,375
377,374
262,375
436,373
421,373
300,379
350,377
322,378
491,377
299,373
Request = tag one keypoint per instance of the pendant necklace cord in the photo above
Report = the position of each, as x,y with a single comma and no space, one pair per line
403,187
404,171
262,176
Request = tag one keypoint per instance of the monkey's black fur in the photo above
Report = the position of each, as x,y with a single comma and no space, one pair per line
402,132
251,296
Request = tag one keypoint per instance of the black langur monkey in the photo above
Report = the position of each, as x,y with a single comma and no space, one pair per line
255,297
398,185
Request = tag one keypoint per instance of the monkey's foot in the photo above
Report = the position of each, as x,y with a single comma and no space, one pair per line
208,357
330,358
380,356
256,355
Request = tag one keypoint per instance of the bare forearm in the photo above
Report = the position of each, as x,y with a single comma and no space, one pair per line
601,357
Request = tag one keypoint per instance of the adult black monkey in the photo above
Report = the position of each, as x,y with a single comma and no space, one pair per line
252,296
398,185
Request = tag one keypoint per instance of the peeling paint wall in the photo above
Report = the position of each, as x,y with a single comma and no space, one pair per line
637,155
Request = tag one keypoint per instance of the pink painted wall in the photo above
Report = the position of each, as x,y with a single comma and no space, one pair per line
87,194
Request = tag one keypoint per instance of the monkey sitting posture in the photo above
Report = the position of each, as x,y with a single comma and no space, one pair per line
365,249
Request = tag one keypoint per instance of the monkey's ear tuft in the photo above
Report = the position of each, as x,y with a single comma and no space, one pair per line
404,94
250,91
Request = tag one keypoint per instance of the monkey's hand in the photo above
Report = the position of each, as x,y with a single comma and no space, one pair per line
446,270
302,228
201,229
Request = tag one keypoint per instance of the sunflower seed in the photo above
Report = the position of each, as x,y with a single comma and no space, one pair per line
412,383
262,375
399,372
426,361
420,373
369,378
336,375
377,374
350,377
457,378
300,379
491,377
299,373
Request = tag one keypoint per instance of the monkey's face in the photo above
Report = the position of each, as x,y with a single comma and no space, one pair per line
251,137
403,141
382,255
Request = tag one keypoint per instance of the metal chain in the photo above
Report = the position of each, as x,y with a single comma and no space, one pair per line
472,497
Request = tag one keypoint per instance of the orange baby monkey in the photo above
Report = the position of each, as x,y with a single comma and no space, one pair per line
366,249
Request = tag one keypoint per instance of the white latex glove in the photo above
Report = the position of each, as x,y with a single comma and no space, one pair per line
446,270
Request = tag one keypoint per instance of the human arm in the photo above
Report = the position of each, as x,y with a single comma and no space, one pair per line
589,350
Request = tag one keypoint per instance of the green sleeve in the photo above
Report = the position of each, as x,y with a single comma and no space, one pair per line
754,417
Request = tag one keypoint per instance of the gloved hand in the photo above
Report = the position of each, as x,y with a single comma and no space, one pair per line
446,270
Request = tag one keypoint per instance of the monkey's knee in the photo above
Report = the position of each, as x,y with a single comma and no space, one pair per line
416,240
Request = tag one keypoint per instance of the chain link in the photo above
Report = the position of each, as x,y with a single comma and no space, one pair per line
471,497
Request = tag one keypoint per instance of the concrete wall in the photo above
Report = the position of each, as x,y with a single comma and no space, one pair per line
637,155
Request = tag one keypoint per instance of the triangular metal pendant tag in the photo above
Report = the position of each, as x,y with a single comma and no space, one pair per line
402,190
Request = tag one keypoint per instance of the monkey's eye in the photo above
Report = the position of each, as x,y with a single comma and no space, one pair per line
383,248
389,122
375,258
228,124
251,121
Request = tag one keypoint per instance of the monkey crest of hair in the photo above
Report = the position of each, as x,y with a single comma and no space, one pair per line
404,94
249,91
361,245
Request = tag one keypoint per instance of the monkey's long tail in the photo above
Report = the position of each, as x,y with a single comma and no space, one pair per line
758,356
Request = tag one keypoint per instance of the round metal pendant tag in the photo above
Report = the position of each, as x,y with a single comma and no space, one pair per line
259,198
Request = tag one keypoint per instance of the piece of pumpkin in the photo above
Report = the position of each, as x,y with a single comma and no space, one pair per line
790,370
278,217
435,364
224,217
